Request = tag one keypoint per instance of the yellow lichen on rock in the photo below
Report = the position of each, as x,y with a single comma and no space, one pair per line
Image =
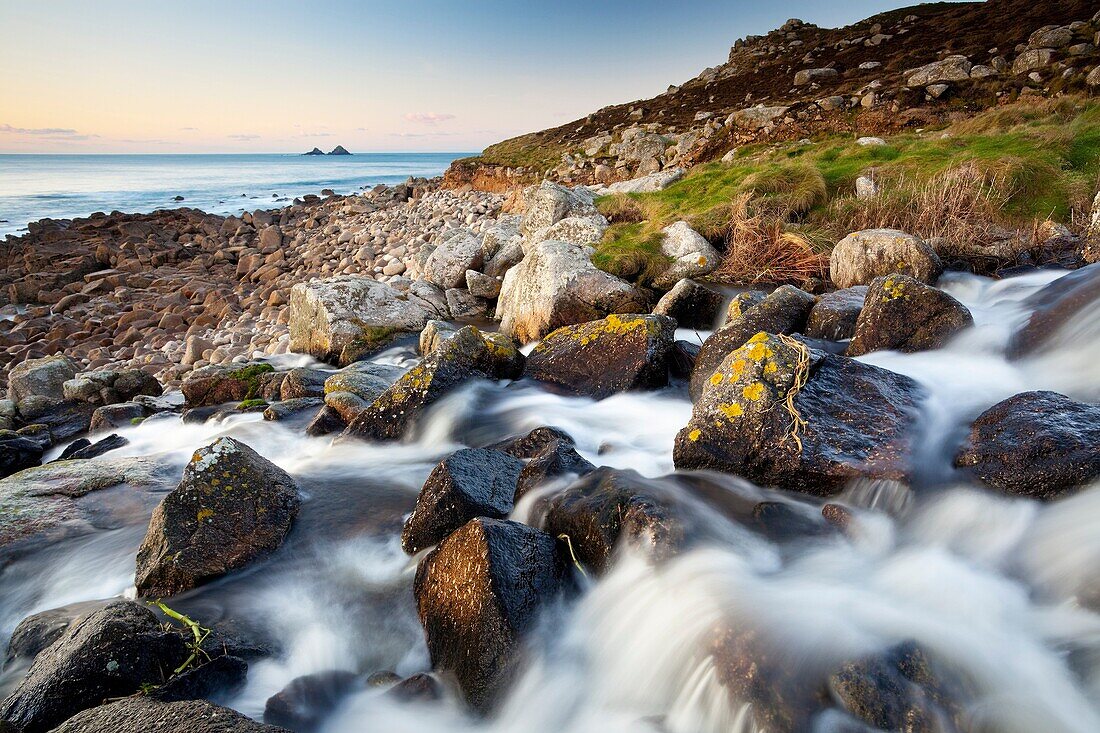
753,391
731,409
694,435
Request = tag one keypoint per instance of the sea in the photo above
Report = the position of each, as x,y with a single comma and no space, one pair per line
34,187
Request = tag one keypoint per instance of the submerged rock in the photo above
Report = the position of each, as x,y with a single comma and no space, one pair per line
473,482
231,508
557,285
1055,306
478,593
599,358
852,419
862,256
902,314
784,311
1035,444
110,653
143,715
306,701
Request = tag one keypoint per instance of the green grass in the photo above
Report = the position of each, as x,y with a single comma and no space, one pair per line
1028,161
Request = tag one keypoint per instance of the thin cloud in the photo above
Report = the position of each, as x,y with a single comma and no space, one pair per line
315,134
427,118
190,129
244,136
37,131
422,134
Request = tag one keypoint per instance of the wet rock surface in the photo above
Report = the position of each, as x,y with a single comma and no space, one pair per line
478,593
903,314
848,419
303,705
1035,444
231,508
599,358
834,315
1056,306
143,715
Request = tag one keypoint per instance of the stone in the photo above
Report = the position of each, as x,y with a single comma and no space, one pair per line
465,306
756,118
784,311
834,316
40,630
600,358
110,653
472,482
306,701
478,594
814,76
849,419
690,255
293,409
1051,36
576,229
456,252
120,415
902,314
348,316
481,285
1041,445
465,356
981,71
1032,60
434,335
691,305
1054,308
866,188
144,715
648,183
862,256
220,383
303,382
951,68
83,449
108,387
556,461
43,377
557,285
1093,79
741,302
18,452
549,203
231,508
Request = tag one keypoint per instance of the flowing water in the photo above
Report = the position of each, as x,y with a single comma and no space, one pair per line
1006,591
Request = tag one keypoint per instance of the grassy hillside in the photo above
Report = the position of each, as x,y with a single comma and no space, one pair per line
778,209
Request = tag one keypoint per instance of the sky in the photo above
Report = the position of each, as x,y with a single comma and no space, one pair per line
108,76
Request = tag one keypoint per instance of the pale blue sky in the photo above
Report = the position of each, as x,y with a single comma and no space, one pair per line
283,76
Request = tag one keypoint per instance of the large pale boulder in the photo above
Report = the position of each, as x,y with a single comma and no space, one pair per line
456,252
645,184
231,507
557,285
755,118
341,318
549,203
689,253
862,256
577,229
43,377
952,68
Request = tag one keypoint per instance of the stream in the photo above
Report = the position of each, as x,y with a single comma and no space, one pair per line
1005,590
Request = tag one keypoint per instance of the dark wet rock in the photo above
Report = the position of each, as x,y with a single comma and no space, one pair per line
38,631
303,382
352,390
837,515
306,701
231,508
600,358
894,690
691,305
782,522
835,315
903,314
857,419
1035,444
742,302
84,449
384,678
110,653
200,415
533,443
220,383
1054,306
293,408
64,419
608,506
144,715
418,688
557,460
464,357
18,452
682,357
478,593
472,482
784,311
222,673
120,415
326,422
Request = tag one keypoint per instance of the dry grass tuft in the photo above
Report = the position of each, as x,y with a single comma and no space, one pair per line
760,249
